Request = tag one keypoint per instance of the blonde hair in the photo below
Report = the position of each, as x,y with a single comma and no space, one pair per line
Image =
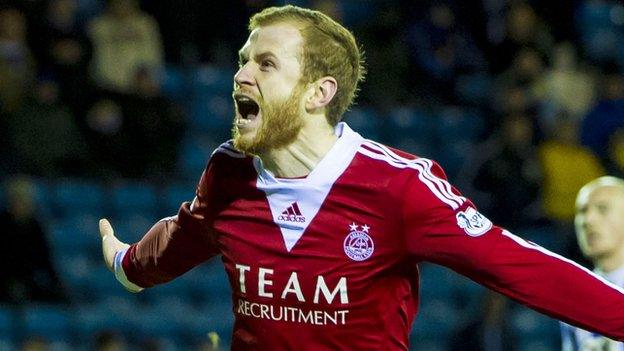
329,50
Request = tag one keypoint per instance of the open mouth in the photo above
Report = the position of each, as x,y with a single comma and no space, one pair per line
247,108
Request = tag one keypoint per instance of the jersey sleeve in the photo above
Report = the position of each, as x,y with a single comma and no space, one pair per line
443,227
173,245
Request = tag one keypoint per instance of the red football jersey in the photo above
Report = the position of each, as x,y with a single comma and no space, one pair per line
329,262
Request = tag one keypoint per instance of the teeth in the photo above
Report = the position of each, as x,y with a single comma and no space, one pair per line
242,121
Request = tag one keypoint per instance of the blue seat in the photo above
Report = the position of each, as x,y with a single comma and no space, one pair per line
7,323
74,196
132,228
194,154
530,325
437,282
176,194
115,315
411,123
164,320
212,80
173,82
437,318
364,121
473,88
74,234
53,323
209,283
102,284
133,197
454,124
74,270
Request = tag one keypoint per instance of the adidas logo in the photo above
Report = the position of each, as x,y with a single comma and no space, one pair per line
292,214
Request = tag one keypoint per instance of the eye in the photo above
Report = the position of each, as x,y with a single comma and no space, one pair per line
602,209
267,63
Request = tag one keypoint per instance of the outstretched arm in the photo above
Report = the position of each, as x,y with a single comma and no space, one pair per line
445,228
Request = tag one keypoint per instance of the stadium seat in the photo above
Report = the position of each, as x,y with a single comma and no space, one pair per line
136,197
474,88
78,233
132,228
530,325
211,80
53,323
74,270
455,123
437,282
113,314
102,283
364,121
163,320
173,83
437,319
177,193
73,197
209,283
7,323
194,154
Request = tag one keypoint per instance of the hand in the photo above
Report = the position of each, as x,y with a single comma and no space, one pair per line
110,244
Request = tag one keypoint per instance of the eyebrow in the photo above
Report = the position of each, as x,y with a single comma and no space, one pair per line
242,55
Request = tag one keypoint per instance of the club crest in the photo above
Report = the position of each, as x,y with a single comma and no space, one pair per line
358,245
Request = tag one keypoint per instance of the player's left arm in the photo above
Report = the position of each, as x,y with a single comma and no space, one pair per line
445,228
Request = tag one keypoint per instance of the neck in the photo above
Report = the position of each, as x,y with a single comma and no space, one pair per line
300,157
610,263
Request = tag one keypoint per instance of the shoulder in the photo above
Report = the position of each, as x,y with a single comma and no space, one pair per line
420,177
227,150
398,160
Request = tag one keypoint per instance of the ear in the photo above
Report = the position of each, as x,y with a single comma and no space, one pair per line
324,91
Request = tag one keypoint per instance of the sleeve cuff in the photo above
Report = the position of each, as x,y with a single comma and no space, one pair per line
121,275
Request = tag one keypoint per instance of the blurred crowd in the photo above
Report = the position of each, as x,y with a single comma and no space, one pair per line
85,93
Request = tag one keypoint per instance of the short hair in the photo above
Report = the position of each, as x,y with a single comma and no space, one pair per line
598,183
329,50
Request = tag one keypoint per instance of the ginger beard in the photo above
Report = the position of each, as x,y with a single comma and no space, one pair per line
280,125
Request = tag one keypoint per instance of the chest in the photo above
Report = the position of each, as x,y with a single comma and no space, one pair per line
304,247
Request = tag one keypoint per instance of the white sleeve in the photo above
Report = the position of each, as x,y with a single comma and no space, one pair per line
121,275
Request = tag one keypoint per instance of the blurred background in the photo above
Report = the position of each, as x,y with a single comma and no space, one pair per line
111,108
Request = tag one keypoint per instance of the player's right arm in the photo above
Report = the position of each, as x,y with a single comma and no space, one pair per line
170,248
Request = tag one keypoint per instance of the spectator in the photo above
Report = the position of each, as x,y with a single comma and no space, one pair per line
510,175
17,66
599,127
442,49
27,274
64,49
489,331
566,86
125,40
523,29
109,341
566,166
155,127
45,139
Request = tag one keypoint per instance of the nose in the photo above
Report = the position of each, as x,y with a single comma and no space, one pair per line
244,76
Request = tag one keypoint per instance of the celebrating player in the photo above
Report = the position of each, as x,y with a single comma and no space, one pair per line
320,230
600,233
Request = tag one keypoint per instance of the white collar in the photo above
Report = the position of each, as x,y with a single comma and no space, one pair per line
336,160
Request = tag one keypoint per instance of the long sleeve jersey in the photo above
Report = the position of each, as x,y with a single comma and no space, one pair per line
330,261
